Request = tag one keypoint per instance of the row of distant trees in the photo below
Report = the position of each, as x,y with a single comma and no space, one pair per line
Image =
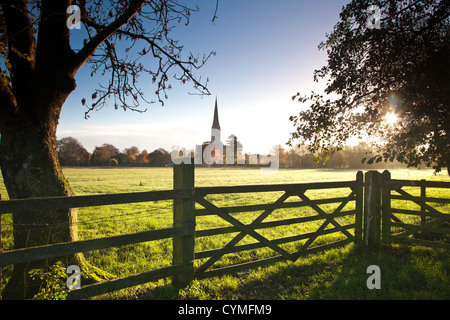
350,157
72,153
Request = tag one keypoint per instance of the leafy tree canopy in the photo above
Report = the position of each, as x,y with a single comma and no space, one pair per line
391,83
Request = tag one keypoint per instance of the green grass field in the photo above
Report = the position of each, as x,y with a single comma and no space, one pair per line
408,272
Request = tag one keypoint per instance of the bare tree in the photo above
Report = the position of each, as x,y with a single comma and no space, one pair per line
39,74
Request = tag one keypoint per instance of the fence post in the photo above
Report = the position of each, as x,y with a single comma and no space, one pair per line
385,207
184,215
372,208
359,207
423,195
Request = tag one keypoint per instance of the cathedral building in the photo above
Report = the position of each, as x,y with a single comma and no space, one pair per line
211,152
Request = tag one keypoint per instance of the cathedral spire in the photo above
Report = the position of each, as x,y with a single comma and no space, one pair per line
216,124
215,129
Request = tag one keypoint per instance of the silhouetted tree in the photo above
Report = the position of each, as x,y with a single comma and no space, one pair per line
392,84
131,155
142,158
72,153
102,155
159,158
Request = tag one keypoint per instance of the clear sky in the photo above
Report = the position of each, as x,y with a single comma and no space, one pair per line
266,53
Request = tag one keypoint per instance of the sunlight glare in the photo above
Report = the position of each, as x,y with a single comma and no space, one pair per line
391,118
353,141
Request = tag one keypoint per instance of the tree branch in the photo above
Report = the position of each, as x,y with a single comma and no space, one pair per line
150,34
181,64
19,34
88,50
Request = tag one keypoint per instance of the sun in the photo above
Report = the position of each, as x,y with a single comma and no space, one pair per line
353,141
391,118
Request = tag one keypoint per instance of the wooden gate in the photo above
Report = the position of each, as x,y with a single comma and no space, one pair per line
251,229
421,219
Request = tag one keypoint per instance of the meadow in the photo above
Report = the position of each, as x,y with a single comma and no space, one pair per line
408,272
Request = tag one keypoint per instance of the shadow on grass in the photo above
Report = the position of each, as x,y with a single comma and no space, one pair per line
407,272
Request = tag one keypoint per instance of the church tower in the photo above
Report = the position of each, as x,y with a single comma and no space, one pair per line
211,152
215,129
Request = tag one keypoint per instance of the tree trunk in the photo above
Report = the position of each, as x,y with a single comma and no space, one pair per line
30,168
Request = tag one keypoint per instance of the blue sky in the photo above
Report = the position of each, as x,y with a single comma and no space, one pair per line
266,52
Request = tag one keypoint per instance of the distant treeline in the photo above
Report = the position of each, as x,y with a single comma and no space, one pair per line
72,153
350,157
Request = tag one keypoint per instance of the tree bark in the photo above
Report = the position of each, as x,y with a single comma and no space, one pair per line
30,168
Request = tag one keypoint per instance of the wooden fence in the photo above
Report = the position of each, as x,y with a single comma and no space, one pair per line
366,226
288,191
417,226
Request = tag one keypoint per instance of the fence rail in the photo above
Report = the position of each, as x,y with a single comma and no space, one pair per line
63,249
371,212
178,231
290,190
53,203
414,231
